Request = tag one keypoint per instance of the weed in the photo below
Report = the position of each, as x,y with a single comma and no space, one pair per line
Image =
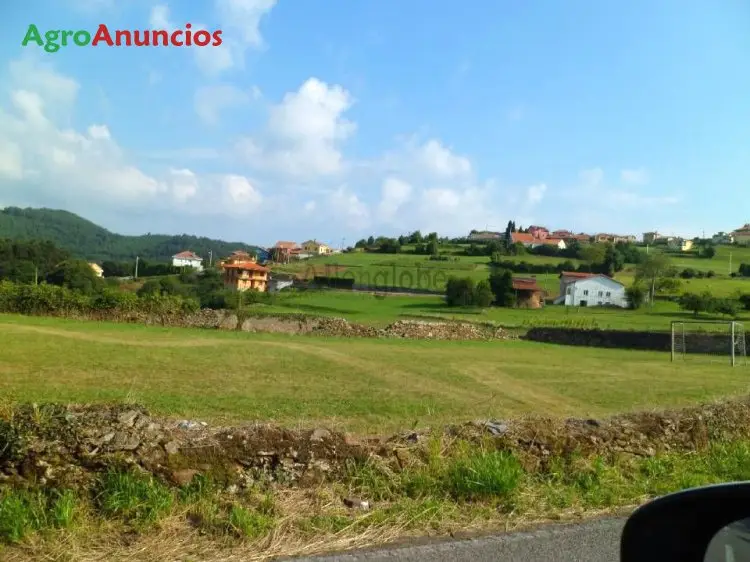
136,498
249,524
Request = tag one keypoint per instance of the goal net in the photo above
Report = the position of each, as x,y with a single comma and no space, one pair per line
715,341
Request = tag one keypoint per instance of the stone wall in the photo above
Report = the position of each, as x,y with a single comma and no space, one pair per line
66,445
624,339
313,325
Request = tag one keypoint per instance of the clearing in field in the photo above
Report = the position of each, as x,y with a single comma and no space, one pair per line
354,384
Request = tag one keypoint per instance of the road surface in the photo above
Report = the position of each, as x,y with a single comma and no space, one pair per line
593,541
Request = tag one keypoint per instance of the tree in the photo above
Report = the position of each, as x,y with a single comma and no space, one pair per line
708,251
613,260
697,303
501,285
459,291
432,248
76,275
744,300
593,254
636,295
508,238
651,270
483,296
729,307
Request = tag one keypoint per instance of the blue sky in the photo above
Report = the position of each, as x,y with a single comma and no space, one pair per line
336,119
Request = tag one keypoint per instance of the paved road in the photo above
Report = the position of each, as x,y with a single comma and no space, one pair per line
593,541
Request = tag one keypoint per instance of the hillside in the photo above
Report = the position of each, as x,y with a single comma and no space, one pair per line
90,241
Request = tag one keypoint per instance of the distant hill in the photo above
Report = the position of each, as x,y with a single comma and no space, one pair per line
90,241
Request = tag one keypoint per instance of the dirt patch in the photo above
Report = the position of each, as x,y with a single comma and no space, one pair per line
53,444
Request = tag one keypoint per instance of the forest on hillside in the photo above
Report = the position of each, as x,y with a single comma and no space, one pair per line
84,239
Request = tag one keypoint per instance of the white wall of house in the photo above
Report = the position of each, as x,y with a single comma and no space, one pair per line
188,262
592,291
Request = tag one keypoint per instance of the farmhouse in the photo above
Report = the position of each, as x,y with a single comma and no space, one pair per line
97,269
742,235
681,244
528,293
539,232
282,251
316,248
614,238
521,237
485,236
241,272
590,289
558,243
187,259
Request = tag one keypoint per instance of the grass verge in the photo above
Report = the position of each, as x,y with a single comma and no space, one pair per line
456,487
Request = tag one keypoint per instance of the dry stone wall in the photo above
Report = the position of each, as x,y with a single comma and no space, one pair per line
62,445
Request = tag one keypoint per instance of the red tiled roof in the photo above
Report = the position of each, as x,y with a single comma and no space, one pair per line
522,237
285,245
580,275
248,266
524,284
554,241
187,254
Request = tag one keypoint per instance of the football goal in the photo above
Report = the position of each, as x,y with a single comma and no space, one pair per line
716,341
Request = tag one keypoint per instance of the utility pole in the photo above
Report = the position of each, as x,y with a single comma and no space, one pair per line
730,263
136,267
36,275
210,258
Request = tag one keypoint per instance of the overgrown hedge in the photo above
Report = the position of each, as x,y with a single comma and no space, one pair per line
44,299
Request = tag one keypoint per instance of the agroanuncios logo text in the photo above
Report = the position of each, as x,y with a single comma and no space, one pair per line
54,39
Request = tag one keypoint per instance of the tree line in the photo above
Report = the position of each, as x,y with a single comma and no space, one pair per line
84,239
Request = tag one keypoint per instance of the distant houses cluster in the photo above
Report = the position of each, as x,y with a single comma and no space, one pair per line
241,270
536,236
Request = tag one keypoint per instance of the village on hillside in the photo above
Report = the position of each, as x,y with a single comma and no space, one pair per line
242,271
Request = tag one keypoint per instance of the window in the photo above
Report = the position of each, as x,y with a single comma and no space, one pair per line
609,294
601,293
570,291
600,303
585,292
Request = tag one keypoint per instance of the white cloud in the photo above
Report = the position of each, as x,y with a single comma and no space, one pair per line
184,184
635,177
240,22
394,194
304,132
54,161
159,18
210,101
243,16
347,208
535,193
11,160
441,161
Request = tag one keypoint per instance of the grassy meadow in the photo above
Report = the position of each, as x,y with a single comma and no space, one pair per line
360,385
379,310
413,271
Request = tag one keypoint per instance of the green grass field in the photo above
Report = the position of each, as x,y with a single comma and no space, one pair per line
366,308
355,384
410,271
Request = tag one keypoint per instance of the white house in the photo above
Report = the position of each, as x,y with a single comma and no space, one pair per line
590,289
188,259
558,243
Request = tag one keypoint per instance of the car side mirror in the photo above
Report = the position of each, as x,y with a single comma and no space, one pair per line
708,524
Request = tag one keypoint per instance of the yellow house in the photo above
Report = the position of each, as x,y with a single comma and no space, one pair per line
742,235
686,245
315,247
97,269
242,273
